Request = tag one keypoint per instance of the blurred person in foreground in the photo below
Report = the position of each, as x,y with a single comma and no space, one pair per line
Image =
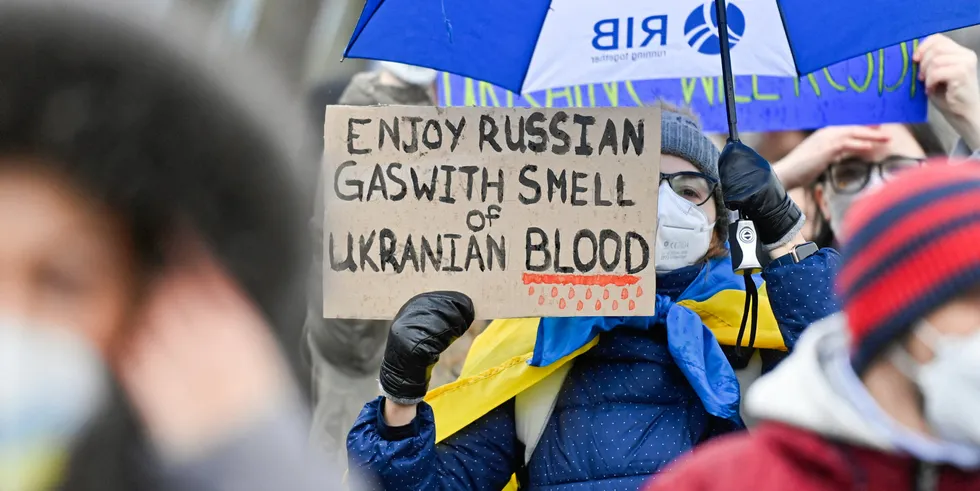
601,402
837,165
345,354
153,233
885,395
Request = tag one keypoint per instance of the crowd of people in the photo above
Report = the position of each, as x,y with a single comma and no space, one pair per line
163,242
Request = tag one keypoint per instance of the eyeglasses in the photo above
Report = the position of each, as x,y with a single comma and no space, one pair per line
852,175
692,186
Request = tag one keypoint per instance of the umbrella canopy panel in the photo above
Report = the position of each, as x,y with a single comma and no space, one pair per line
825,32
537,44
491,41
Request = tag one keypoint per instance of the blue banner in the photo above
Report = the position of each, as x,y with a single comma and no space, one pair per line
880,87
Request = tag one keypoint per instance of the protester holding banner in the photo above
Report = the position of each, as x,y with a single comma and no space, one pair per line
882,396
152,214
837,165
605,411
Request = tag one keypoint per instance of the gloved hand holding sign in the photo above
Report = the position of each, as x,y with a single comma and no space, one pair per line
424,327
752,188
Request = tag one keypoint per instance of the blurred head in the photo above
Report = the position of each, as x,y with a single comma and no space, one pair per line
692,223
910,287
855,175
390,84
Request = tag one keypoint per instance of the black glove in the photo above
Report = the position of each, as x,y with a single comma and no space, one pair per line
424,327
751,187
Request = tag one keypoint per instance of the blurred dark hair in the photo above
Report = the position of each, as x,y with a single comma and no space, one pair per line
823,235
143,115
160,132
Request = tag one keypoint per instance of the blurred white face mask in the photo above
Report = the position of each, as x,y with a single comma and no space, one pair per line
410,74
839,204
949,383
683,231
51,384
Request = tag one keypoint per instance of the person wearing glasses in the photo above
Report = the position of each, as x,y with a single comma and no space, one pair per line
837,165
601,402
883,395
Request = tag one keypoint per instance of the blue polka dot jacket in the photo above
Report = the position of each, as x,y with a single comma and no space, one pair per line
623,413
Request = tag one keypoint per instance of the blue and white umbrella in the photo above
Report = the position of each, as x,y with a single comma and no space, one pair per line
528,45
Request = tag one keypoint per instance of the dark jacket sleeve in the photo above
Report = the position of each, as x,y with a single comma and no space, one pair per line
482,456
802,293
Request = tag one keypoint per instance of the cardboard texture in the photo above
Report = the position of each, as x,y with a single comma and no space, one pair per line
529,211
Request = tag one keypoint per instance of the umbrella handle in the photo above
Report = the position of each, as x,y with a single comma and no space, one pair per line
726,69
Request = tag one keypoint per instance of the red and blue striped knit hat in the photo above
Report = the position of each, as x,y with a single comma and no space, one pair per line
912,246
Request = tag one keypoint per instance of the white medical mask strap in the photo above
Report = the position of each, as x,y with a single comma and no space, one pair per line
903,361
930,336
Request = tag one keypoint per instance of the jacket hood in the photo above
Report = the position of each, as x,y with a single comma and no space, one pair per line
803,391
166,132
816,389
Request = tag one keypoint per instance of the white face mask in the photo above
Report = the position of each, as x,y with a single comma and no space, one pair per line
949,383
51,384
410,74
683,231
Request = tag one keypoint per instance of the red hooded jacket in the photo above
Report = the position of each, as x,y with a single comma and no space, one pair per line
811,439
778,457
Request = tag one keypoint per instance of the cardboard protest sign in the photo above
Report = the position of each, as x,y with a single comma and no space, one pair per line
879,87
530,212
